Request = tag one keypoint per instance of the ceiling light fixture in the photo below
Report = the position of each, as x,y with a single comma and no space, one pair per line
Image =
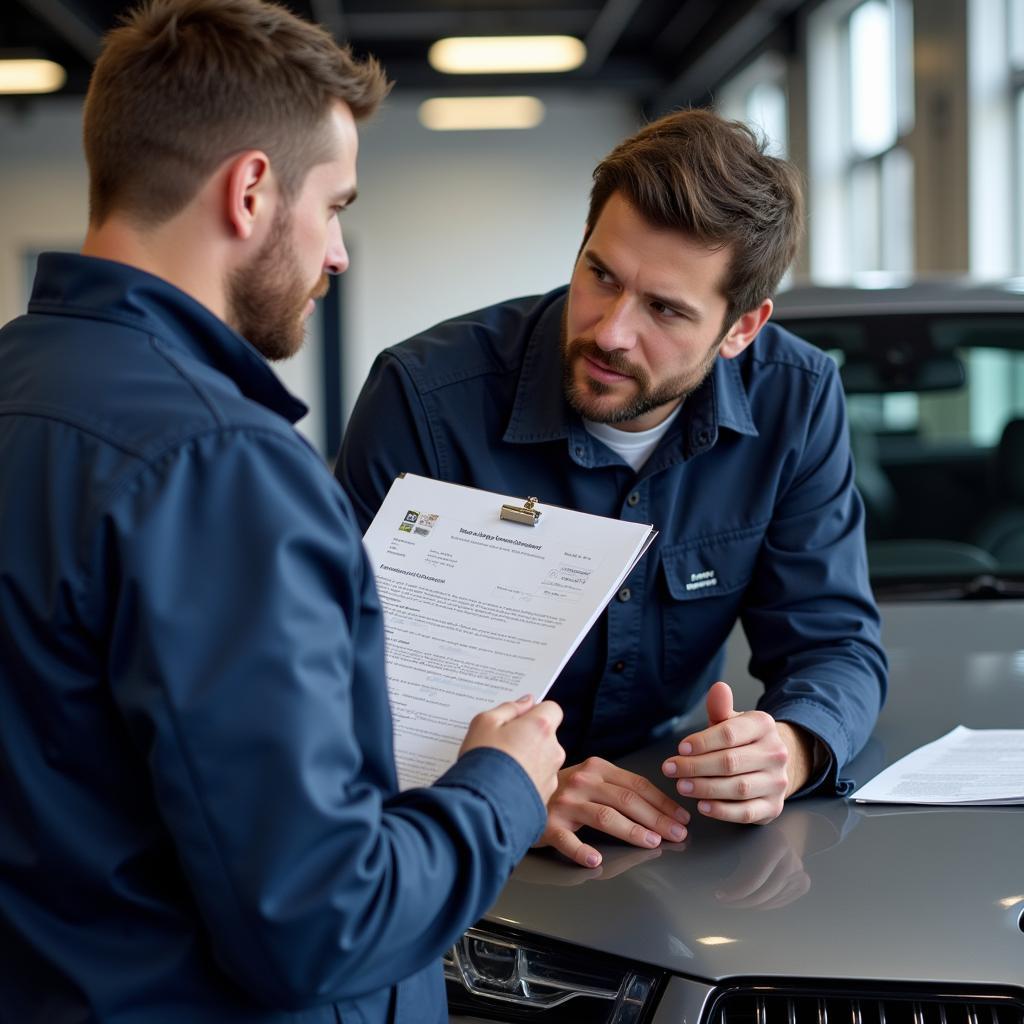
480,113
25,76
479,55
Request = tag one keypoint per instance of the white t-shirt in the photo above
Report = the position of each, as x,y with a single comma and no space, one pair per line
633,446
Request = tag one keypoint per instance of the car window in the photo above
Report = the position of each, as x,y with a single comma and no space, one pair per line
939,454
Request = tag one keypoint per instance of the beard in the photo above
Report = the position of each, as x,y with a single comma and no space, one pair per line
585,397
267,298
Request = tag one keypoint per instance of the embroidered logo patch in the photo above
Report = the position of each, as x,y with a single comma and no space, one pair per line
702,579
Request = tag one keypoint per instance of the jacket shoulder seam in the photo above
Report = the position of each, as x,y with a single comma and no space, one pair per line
199,392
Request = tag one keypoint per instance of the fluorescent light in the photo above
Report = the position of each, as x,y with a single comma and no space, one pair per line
715,940
1011,901
480,113
30,76
477,55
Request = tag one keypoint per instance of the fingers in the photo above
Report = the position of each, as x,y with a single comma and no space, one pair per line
614,801
741,729
636,797
546,711
751,797
566,842
719,703
742,812
749,786
526,734
736,768
510,710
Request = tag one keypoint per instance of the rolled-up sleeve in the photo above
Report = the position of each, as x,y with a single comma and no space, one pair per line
247,662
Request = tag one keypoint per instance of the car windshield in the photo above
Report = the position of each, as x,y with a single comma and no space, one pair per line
936,412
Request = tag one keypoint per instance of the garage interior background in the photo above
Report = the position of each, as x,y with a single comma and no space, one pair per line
906,117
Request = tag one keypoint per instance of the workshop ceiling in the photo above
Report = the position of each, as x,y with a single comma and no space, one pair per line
660,53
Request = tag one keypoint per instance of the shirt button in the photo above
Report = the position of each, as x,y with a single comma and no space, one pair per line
703,437
625,594
619,666
579,451
634,499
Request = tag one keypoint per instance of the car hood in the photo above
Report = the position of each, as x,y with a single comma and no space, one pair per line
832,889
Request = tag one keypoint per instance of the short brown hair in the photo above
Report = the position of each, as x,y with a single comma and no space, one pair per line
182,85
695,172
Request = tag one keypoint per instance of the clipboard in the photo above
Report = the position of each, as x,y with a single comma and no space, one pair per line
528,514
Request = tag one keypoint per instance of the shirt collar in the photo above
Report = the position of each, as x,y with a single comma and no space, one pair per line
83,286
540,412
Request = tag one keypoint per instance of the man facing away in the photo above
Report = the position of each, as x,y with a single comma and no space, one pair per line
638,392
199,817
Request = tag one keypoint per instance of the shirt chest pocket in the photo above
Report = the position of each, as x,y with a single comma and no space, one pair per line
703,580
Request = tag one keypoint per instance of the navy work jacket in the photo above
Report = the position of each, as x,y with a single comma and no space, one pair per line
751,490
199,819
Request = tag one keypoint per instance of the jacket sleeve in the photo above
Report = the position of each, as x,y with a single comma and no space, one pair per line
387,434
246,659
809,614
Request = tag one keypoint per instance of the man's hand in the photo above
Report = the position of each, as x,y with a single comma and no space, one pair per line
613,800
744,765
526,732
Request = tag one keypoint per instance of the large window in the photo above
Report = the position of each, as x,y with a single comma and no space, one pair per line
995,37
860,90
757,96
1015,37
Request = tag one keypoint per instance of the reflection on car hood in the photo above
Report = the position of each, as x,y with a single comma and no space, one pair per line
832,889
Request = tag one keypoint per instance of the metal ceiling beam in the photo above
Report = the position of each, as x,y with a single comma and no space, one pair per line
607,31
721,57
330,14
686,25
435,24
73,27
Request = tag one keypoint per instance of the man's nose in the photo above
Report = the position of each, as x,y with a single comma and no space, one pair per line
336,257
617,328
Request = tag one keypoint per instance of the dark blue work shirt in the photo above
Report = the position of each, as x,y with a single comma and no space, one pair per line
199,819
751,490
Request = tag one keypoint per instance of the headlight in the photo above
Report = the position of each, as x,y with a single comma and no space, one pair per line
499,975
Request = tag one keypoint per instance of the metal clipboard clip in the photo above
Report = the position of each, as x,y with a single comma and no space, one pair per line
527,513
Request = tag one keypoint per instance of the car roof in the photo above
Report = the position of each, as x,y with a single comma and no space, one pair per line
885,294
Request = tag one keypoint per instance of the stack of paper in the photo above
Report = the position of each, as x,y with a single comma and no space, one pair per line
966,766
480,610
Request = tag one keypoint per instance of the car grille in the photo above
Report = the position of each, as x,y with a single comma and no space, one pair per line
782,1006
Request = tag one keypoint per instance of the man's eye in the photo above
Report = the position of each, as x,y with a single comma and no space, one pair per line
665,311
599,272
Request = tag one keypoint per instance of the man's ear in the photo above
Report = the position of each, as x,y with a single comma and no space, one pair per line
249,192
744,330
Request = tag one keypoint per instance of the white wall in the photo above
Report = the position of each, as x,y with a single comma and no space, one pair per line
43,200
445,222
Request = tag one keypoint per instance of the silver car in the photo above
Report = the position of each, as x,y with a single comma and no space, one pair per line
836,913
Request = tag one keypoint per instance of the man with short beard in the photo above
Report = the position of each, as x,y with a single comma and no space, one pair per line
638,392
199,813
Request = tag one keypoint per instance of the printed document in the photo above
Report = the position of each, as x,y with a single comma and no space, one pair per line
966,766
478,610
